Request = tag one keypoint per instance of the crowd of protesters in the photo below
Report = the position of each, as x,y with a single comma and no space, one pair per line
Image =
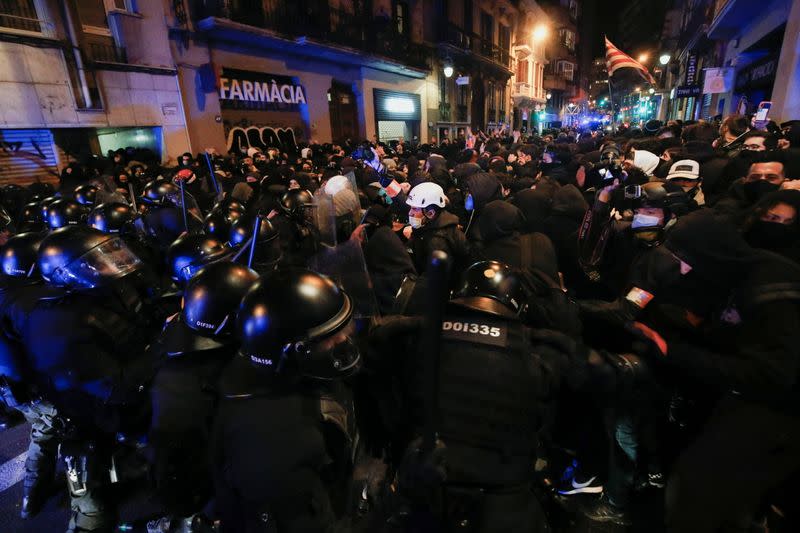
645,281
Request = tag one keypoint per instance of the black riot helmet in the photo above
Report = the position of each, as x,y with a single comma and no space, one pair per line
20,255
80,257
494,288
44,204
85,194
31,218
190,253
210,302
64,212
216,224
229,205
296,322
268,249
112,217
297,204
158,191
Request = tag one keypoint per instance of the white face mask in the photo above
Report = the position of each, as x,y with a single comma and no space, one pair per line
416,221
644,221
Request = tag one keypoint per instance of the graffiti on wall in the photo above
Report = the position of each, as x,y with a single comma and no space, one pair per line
242,138
22,159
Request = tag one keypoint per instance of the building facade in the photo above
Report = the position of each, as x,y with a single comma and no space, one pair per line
529,97
472,64
260,73
77,74
563,79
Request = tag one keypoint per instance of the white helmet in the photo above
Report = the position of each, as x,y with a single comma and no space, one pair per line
336,184
424,195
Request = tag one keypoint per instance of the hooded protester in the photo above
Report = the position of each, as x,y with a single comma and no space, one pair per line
646,161
535,205
729,335
566,215
774,224
502,226
480,188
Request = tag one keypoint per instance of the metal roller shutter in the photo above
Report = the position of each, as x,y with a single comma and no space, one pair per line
393,105
26,155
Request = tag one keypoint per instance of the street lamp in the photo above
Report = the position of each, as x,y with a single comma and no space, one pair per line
664,59
549,96
643,57
638,89
651,90
539,33
448,71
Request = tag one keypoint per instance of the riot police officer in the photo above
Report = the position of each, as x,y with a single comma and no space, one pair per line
267,253
190,253
197,343
285,432
88,340
492,388
21,282
296,224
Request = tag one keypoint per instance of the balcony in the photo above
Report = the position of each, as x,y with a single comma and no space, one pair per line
730,16
444,112
106,53
476,45
313,23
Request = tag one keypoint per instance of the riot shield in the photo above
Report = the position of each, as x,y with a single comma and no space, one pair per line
345,264
323,218
346,205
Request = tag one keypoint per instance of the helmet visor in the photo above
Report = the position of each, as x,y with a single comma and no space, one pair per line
109,260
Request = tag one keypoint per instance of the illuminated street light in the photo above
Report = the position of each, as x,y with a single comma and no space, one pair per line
651,90
643,57
664,59
539,33
448,71
549,96
638,89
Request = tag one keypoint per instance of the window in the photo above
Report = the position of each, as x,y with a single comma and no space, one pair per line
567,38
566,69
501,98
121,5
504,37
522,71
573,9
443,93
20,15
401,19
462,95
487,27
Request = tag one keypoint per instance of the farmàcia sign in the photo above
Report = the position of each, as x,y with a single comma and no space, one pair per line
243,89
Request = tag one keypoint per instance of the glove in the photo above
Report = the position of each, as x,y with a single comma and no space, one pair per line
649,341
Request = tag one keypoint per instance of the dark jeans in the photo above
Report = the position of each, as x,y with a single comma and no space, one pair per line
744,451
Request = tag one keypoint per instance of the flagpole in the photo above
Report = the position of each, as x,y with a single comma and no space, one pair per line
611,100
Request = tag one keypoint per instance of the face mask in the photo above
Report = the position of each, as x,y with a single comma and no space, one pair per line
644,221
469,203
755,190
771,235
416,221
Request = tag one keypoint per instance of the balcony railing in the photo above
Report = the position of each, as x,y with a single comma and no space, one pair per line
317,19
471,42
20,16
522,88
461,113
107,53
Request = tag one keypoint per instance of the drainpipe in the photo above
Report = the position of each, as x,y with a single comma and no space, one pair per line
76,52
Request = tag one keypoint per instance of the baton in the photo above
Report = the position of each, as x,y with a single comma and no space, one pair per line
133,197
183,206
430,341
255,240
211,170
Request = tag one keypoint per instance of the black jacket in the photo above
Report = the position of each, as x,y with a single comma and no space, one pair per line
440,234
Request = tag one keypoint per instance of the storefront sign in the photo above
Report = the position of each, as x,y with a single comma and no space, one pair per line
462,80
242,89
718,80
393,105
687,91
758,74
691,70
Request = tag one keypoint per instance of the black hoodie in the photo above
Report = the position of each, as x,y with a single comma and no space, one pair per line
440,234
566,215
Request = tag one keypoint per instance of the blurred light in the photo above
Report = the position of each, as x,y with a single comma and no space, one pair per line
664,59
651,90
644,57
549,96
539,33
638,89
399,105
448,71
